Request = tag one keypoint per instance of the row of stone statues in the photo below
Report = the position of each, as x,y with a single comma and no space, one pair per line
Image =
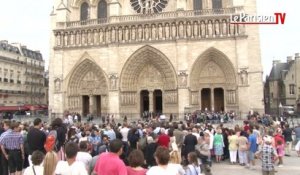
74,102
148,32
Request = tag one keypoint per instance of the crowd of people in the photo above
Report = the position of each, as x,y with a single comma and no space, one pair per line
149,147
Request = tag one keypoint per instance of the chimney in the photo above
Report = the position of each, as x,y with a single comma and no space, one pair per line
297,56
275,62
289,59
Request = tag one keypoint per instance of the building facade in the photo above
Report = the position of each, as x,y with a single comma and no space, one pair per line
125,57
282,86
21,75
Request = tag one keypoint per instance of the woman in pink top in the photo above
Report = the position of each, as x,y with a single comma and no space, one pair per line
136,160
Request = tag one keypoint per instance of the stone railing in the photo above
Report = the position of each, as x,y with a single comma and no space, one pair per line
147,17
133,29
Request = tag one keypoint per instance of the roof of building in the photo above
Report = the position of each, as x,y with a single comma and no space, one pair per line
9,48
4,45
277,69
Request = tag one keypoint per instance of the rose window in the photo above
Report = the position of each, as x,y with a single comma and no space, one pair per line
148,6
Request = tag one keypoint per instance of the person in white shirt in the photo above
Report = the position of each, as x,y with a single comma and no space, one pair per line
71,166
83,156
36,168
124,132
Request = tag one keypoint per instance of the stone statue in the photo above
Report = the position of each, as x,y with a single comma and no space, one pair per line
146,30
188,29
181,30
83,37
183,80
120,34
203,29
217,28
224,26
153,32
107,32
174,30
232,29
113,35
90,37
167,31
133,33
77,42
210,28
126,34
71,38
96,37
101,39
58,39
66,39
244,77
57,85
113,83
195,30
160,31
140,33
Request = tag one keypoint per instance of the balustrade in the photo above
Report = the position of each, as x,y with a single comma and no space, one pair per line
191,25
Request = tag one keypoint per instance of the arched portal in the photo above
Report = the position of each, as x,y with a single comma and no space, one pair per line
148,70
213,78
88,89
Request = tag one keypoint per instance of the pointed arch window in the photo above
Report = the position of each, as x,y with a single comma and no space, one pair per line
216,4
84,11
102,9
198,5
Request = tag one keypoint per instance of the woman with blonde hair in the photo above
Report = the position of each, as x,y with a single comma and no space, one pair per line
175,160
50,162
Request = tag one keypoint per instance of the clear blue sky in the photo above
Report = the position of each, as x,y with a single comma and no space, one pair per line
28,22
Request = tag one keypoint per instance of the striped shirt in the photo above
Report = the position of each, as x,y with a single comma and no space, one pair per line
4,134
12,141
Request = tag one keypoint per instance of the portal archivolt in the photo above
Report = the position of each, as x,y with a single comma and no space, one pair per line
148,67
213,81
88,89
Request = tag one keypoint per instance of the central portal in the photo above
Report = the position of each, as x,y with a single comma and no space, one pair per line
151,101
144,101
205,99
157,102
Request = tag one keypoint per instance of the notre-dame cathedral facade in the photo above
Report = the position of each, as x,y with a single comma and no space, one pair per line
125,57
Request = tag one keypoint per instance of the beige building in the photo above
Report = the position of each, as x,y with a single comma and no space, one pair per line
21,75
170,56
283,85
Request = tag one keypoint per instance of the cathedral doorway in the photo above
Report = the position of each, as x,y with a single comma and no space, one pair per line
213,76
98,105
144,101
219,99
158,101
85,105
87,89
205,99
145,76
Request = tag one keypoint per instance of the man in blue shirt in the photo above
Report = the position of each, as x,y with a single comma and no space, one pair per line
3,160
252,140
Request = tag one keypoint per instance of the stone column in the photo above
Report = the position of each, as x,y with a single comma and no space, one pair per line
92,108
151,105
212,99
200,100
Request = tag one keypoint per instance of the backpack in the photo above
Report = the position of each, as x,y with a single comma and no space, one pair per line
51,141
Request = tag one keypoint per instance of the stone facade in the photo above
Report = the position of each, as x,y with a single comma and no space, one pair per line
282,85
135,61
21,76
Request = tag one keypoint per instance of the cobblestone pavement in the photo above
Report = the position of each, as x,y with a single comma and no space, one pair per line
291,167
